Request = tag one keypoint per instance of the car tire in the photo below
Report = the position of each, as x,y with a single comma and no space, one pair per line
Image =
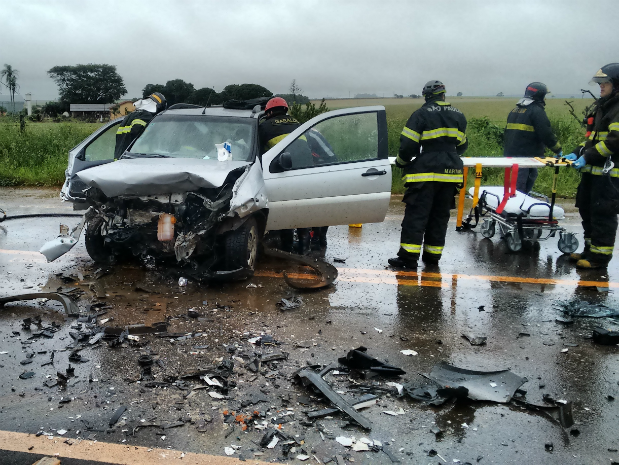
95,243
241,246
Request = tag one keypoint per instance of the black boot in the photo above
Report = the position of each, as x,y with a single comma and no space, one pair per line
303,236
400,262
430,259
286,240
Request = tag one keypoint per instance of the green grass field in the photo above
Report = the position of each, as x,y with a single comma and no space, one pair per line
38,156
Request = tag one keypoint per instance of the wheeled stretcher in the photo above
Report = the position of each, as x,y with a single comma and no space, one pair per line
518,217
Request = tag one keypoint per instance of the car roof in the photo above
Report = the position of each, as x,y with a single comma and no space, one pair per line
212,111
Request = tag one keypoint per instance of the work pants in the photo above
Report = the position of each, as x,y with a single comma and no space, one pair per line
597,200
427,213
526,179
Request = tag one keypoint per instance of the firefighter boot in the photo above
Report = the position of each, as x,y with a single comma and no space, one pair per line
575,257
400,262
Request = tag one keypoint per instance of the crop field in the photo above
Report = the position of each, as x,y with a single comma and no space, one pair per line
38,155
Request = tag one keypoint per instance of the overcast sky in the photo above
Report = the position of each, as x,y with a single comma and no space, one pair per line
332,48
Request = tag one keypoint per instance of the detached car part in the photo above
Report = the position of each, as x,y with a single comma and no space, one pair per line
70,306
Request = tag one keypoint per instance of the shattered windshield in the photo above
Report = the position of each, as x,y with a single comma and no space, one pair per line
195,136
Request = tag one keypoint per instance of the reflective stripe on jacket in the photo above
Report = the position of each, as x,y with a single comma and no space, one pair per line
435,136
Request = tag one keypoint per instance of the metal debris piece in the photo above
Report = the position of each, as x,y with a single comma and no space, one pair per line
290,304
328,272
359,359
478,383
475,340
117,415
70,307
308,377
564,321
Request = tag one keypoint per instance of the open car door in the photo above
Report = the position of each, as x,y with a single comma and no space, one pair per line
96,149
333,169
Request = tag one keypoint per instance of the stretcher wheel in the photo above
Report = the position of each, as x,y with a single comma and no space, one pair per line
488,228
568,243
513,241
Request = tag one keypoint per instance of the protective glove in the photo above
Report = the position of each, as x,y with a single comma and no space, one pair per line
580,163
571,157
559,155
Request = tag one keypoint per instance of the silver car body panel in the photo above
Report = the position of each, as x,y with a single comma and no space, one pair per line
249,193
326,195
153,176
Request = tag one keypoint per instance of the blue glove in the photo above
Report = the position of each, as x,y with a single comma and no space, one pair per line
580,163
571,157
559,155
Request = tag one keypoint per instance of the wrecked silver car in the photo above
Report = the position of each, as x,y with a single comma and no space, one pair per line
193,189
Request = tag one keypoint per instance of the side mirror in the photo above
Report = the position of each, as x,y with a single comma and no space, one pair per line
282,162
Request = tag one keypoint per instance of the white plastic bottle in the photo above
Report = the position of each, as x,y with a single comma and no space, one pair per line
165,227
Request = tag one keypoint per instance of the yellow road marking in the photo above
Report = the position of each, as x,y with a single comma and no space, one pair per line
396,277
107,452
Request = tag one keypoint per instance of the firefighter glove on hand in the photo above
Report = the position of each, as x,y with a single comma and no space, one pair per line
580,163
571,157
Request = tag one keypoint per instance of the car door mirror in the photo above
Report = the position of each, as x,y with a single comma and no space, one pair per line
282,162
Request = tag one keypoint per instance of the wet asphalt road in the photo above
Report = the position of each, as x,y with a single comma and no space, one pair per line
478,288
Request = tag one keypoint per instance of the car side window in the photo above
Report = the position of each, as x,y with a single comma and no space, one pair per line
342,139
102,148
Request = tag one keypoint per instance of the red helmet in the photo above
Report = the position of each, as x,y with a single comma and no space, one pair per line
275,103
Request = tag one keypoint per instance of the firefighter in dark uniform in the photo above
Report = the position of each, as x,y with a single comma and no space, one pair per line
435,136
134,123
274,126
597,159
528,132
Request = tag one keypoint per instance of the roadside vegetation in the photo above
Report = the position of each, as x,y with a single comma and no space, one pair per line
37,155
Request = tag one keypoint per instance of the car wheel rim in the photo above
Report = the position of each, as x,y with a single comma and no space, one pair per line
252,247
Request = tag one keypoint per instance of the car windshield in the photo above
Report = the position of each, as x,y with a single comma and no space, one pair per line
195,136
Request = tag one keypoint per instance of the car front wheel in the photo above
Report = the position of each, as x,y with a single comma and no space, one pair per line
95,243
241,246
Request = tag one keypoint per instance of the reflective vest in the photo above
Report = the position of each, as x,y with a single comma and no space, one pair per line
132,126
528,131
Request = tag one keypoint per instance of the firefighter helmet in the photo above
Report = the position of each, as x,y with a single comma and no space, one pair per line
159,99
433,88
608,73
536,91
276,102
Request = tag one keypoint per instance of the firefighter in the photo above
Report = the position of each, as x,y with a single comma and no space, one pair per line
528,132
597,160
134,123
274,126
435,136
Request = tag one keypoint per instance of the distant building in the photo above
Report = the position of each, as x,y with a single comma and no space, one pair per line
91,110
125,107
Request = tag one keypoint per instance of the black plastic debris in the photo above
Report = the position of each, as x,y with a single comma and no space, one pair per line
426,392
564,321
76,357
578,308
494,386
360,360
117,415
70,306
559,412
327,272
549,446
605,337
26,375
290,304
309,377
475,340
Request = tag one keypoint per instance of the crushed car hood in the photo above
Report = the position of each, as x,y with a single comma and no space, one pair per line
152,176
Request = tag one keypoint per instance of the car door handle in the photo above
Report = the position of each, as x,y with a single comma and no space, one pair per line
374,172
